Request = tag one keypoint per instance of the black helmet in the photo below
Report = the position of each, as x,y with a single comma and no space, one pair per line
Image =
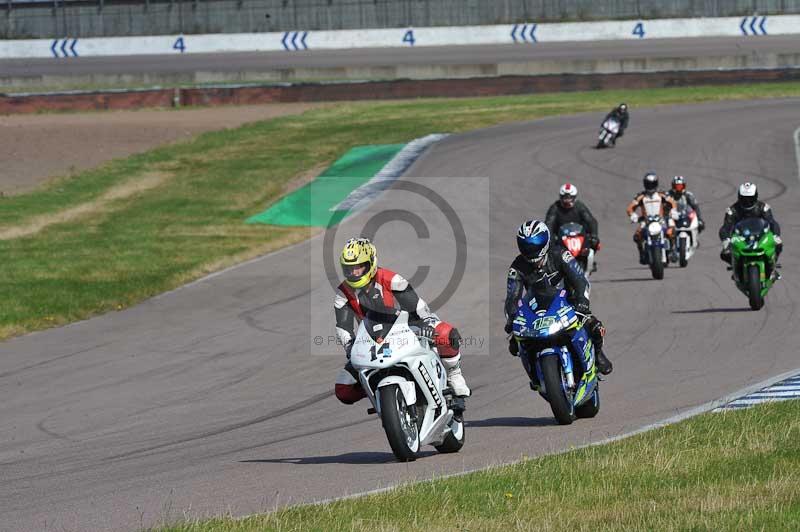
650,181
748,195
623,107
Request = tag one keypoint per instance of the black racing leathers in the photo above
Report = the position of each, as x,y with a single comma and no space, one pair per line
621,117
559,270
736,213
686,198
579,213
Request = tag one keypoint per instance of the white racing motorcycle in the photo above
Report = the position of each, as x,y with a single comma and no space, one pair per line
687,229
608,133
406,382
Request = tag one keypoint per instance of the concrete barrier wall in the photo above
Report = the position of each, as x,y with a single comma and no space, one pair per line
381,90
103,18
524,34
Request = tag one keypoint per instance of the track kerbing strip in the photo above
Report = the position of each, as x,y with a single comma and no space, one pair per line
780,391
359,197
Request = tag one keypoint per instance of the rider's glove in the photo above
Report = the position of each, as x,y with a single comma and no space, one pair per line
582,307
778,240
513,347
726,243
428,332
347,348
593,241
634,217
701,225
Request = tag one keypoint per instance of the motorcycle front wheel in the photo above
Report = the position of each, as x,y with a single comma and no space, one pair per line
684,242
560,404
399,423
656,263
754,287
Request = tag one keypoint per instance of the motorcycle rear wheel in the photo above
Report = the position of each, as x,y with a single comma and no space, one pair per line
591,407
454,440
400,427
754,287
560,404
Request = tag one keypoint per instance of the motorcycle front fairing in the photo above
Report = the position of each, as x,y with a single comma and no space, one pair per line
395,353
553,330
753,242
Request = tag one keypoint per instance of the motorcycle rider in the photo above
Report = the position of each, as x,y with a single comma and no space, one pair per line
620,114
747,206
651,202
568,209
684,197
542,266
369,288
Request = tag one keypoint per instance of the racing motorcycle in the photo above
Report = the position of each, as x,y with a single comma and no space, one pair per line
686,231
656,244
573,237
406,382
608,133
558,355
753,259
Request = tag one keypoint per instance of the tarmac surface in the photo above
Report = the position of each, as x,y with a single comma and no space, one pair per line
216,397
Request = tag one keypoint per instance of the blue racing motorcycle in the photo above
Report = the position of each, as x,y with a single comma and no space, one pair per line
558,355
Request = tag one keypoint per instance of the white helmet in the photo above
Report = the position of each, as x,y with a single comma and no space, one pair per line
748,195
567,194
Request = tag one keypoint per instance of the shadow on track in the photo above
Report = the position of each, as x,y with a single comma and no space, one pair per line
512,422
347,458
712,310
626,280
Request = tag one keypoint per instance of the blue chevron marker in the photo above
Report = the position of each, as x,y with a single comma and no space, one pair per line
514,32
72,48
53,48
283,41
763,29
522,33
533,29
64,48
741,26
303,40
753,26
294,40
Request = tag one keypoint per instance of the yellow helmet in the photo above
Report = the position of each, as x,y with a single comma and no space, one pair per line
359,262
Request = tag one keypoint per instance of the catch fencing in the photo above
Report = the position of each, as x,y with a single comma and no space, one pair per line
46,19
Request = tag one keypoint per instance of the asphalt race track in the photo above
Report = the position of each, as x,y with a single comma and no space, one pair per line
419,55
208,399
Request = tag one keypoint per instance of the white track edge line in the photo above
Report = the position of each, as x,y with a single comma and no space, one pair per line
703,408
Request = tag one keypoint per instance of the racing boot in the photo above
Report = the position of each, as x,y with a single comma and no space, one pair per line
455,380
642,254
604,365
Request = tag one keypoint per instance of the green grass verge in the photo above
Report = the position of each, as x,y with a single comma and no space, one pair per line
110,237
730,471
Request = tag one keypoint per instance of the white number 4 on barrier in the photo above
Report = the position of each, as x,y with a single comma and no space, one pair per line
638,30
409,38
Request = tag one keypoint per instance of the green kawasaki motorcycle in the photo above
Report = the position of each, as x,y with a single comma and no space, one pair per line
753,259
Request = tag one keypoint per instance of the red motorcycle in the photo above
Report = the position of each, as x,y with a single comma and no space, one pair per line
573,237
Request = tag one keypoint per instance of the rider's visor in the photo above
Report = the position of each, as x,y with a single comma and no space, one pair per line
679,187
567,200
354,272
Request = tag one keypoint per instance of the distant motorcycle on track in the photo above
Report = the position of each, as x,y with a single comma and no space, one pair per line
609,132
573,237
686,231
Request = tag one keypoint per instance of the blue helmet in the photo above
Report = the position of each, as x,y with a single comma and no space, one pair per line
533,241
